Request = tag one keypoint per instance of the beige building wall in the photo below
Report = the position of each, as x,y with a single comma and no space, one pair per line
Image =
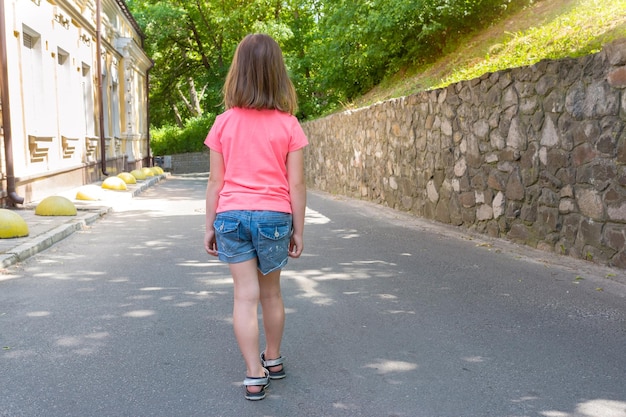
57,89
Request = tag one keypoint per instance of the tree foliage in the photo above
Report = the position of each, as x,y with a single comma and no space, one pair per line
335,50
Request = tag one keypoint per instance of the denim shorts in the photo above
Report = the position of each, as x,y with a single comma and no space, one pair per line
242,235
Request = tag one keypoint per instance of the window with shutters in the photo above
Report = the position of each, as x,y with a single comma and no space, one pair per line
64,96
32,73
88,101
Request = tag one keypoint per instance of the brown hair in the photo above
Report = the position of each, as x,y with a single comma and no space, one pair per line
258,78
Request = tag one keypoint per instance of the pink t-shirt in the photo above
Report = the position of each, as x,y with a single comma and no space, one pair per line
255,144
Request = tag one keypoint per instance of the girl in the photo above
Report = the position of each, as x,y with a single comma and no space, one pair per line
256,198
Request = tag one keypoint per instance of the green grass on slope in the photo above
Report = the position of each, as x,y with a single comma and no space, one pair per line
550,29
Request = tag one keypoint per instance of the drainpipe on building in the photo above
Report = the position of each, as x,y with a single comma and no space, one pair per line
103,149
151,161
6,113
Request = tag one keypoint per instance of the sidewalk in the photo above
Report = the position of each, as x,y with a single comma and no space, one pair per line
44,231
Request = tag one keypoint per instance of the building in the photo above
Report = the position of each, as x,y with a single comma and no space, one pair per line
74,95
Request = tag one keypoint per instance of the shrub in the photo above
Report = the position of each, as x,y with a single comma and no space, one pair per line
168,140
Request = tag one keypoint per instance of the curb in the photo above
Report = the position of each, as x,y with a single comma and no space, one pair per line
47,239
86,216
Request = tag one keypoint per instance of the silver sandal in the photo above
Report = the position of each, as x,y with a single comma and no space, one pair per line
272,363
260,381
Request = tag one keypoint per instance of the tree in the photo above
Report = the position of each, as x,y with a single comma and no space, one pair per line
192,43
335,50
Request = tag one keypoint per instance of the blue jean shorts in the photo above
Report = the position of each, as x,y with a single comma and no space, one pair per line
242,235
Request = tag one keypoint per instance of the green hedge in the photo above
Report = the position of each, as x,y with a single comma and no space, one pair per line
169,140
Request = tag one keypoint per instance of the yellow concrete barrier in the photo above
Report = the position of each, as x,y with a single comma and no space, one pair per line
12,225
114,183
138,174
127,177
89,193
55,206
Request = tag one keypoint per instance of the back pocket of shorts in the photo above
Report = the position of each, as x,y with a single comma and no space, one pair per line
274,240
227,234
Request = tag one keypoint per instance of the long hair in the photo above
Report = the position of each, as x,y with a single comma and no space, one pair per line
258,79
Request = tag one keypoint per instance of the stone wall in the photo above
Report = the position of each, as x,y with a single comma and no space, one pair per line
536,155
184,163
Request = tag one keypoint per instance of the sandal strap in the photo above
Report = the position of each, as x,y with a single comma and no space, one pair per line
258,380
272,362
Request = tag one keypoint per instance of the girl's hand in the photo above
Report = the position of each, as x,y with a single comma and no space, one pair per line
295,246
210,245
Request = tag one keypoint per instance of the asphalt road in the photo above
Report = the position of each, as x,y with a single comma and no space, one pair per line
387,316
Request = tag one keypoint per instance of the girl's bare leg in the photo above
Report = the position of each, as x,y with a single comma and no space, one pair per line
245,316
273,314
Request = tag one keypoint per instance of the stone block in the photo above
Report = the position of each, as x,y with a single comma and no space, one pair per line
617,212
574,100
583,154
518,233
468,216
589,231
480,128
614,236
529,165
492,229
621,148
507,166
555,101
431,191
566,205
484,212
545,246
516,138
570,226
548,198
499,205
596,255
514,188
619,260
546,83
567,191
528,213
549,134
601,100
513,210
590,203
556,159
529,105
442,211
547,219
497,180
616,52
551,181
467,199
567,176
509,154
606,141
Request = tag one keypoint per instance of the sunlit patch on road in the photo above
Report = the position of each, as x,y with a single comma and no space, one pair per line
314,217
385,366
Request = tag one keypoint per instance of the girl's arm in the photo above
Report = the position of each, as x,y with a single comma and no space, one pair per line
214,186
297,192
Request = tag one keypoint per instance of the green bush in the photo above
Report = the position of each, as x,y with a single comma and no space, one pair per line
168,140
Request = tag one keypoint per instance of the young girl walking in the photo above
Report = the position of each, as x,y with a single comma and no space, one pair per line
256,198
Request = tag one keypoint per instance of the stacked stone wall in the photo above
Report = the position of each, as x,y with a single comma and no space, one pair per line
536,155
186,163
